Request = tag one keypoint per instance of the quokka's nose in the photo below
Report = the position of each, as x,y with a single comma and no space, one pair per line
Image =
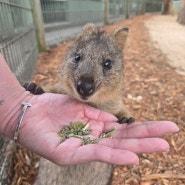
85,86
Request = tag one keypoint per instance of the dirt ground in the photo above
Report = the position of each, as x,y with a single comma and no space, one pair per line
154,90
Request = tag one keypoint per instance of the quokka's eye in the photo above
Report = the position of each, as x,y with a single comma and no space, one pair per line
107,64
77,58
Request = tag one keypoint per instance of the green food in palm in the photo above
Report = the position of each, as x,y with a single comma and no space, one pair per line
80,130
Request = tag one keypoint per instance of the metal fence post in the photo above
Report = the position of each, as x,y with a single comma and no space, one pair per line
38,20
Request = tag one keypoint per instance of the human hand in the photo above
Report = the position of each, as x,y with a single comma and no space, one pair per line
50,112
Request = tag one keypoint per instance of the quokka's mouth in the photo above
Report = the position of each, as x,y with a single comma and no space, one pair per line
83,98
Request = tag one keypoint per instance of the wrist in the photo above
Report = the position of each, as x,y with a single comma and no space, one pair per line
11,97
11,110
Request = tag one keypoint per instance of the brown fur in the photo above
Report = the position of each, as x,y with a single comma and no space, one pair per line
94,46
94,173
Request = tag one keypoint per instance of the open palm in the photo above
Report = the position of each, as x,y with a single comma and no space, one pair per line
50,112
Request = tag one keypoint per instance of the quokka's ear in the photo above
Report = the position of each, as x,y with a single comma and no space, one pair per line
121,36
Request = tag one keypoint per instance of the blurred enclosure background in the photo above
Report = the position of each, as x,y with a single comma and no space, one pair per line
29,26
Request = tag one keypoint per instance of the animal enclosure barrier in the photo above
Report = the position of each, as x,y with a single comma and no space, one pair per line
65,18
18,45
17,38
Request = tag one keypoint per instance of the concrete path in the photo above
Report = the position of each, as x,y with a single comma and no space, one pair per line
169,36
67,31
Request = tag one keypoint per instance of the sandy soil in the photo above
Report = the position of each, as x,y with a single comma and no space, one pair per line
169,36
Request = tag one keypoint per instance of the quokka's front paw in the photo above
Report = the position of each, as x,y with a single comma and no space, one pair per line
33,88
126,120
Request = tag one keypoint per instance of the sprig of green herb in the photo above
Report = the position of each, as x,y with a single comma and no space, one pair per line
108,133
80,130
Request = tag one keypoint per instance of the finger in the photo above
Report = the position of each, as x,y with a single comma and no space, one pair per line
143,129
145,145
101,153
97,114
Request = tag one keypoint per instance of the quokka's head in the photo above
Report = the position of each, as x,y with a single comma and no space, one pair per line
93,66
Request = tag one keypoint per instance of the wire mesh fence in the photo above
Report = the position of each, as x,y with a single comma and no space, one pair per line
63,14
60,16
17,37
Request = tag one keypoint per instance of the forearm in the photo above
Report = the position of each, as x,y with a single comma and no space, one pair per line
11,97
